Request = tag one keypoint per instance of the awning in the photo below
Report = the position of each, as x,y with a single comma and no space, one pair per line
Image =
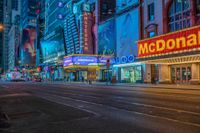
85,62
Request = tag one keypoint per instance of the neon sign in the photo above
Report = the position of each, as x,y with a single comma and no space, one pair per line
184,40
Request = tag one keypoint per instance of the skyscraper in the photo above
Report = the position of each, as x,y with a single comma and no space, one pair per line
28,32
7,7
52,44
1,36
14,36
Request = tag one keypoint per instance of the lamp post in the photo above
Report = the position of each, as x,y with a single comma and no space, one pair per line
1,30
1,27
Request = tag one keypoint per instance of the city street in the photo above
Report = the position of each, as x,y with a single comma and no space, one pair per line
81,108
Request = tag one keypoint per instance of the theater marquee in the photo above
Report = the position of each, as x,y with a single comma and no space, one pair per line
180,41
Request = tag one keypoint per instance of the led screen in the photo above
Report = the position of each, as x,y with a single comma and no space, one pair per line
67,61
127,33
84,60
28,53
106,35
52,50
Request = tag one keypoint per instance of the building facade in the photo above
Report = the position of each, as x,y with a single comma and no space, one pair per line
163,22
7,7
14,36
1,36
80,33
127,23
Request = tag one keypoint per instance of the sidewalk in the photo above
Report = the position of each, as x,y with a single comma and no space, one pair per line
164,86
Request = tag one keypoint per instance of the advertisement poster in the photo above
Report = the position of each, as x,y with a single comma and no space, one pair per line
127,33
52,50
106,35
67,61
28,53
84,60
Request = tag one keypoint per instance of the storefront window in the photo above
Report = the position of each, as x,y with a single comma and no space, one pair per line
131,74
179,15
152,34
189,73
181,73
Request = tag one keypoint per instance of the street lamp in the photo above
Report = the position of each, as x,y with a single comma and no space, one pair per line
1,27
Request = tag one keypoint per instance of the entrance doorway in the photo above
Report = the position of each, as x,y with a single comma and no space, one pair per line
181,74
154,73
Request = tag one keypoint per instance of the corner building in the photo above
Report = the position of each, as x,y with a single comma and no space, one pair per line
170,44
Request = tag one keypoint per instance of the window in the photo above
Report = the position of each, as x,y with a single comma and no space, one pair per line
152,34
151,12
179,15
198,6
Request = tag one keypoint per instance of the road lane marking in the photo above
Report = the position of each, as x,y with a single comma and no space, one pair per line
119,99
77,107
111,107
14,95
160,107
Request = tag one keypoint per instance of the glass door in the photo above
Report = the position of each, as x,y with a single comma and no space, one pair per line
173,75
178,75
189,73
184,75
181,74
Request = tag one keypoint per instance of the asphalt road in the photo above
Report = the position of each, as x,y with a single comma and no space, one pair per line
108,109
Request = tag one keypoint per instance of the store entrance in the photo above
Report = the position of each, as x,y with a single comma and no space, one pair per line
181,74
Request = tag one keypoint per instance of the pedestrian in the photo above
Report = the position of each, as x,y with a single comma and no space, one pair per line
83,79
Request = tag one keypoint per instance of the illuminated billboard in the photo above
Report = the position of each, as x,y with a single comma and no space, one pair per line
51,50
181,41
106,35
28,47
127,26
67,61
83,60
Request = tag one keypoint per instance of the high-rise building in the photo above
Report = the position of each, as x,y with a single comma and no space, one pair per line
40,29
52,40
28,29
52,44
170,30
79,27
1,36
14,36
127,33
28,13
107,9
7,7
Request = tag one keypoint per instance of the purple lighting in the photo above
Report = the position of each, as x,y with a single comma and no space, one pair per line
85,60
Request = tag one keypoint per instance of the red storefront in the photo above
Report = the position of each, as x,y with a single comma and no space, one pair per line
175,56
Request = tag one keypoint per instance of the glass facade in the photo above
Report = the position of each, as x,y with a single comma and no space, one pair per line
131,74
181,73
179,15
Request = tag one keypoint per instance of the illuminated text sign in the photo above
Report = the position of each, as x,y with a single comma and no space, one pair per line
180,41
